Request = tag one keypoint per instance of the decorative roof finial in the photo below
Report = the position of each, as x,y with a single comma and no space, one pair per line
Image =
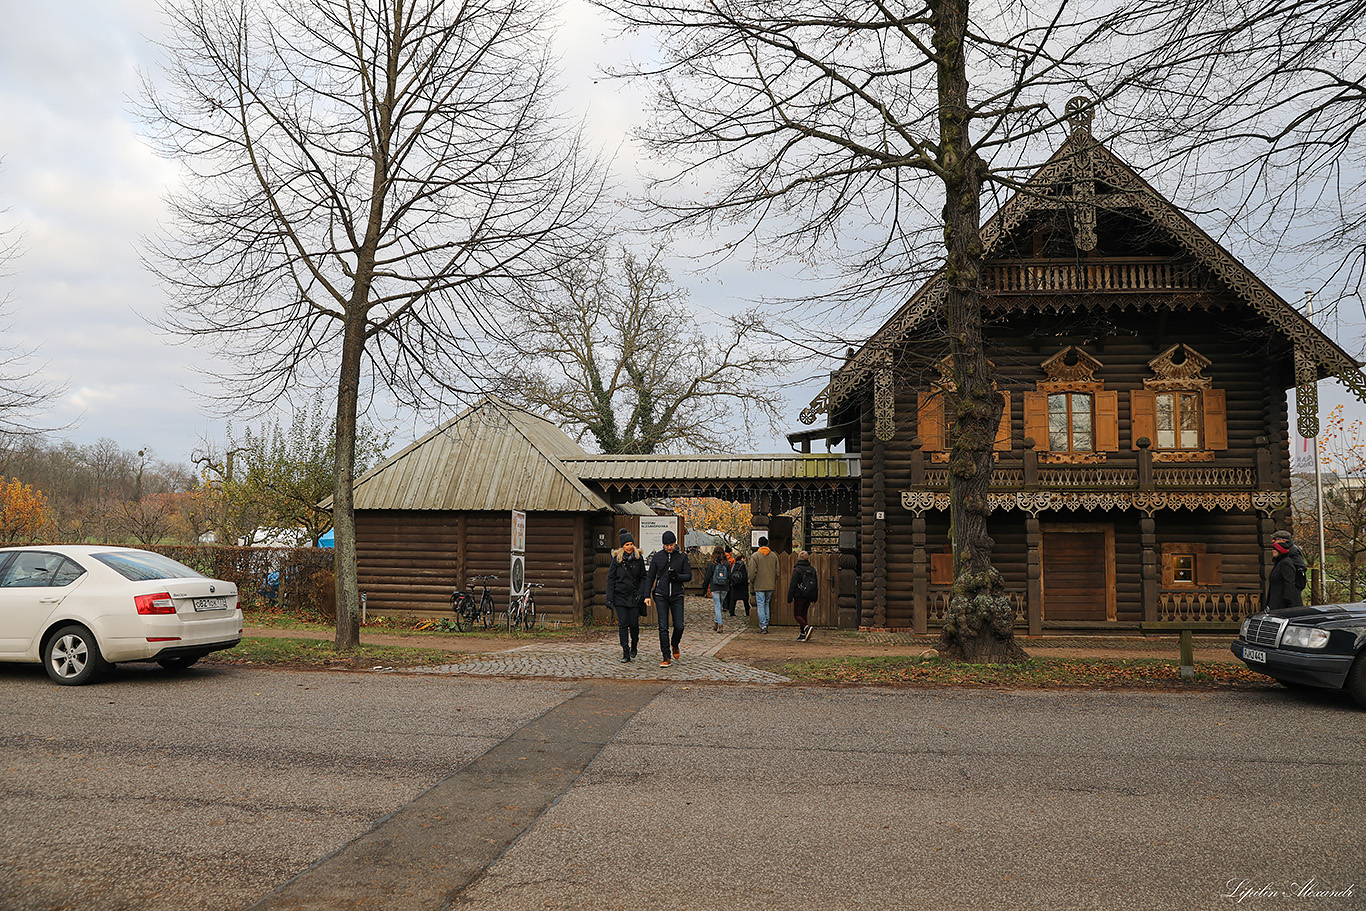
1080,112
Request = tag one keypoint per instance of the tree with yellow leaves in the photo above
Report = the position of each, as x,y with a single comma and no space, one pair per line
23,513
728,521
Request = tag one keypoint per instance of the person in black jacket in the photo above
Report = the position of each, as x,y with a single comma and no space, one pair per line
669,569
624,578
802,590
1281,590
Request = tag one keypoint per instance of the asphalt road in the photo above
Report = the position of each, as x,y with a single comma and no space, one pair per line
228,789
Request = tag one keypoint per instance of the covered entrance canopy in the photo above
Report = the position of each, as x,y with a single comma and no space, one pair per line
825,483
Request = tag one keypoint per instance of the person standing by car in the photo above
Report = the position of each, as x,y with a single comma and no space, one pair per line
802,589
624,578
669,569
717,584
1289,572
765,581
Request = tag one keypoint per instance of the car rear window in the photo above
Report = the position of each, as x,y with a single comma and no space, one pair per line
143,566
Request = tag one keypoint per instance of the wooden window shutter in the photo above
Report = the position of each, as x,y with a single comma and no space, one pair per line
1036,419
1003,431
930,419
1168,570
1216,419
1142,417
941,569
1107,421
1209,569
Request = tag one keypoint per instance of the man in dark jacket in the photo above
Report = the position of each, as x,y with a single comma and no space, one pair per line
669,569
1281,587
625,579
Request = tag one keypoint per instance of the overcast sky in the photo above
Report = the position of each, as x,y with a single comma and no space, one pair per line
80,189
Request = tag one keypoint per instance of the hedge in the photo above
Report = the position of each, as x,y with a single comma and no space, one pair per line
306,585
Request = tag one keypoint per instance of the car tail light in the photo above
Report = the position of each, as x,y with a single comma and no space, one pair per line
155,604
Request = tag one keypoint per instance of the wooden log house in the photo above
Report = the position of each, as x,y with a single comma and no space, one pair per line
1143,456
439,513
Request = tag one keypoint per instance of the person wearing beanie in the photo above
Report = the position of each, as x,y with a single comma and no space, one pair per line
764,574
662,589
739,584
624,583
1287,563
802,589
717,584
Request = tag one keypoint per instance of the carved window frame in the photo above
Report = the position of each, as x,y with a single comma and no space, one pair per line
1184,374
931,409
1076,377
1207,570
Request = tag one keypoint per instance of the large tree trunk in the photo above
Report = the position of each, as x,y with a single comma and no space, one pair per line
347,582
980,625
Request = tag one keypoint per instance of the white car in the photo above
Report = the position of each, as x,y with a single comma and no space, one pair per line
80,608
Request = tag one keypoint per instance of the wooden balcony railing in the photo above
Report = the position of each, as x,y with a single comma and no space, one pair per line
1112,275
1104,478
1205,604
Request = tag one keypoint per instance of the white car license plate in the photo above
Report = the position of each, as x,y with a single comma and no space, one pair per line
1253,654
210,603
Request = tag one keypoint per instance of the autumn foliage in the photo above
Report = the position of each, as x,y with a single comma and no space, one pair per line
23,513
729,521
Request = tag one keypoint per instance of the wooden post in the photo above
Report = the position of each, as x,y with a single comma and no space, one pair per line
1034,575
1145,464
1187,653
1150,579
920,617
878,471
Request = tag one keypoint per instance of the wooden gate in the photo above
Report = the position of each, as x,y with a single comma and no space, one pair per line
825,611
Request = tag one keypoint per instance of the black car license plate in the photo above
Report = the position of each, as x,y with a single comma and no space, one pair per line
1254,654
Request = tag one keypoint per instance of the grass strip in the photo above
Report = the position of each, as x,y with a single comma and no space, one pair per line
319,653
1132,673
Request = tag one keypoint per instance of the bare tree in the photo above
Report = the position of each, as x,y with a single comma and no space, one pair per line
866,134
1261,113
368,181
616,353
24,393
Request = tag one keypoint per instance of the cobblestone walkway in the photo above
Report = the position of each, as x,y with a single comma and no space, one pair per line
602,659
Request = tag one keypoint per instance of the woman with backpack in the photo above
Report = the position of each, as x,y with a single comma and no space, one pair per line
1288,574
802,589
718,583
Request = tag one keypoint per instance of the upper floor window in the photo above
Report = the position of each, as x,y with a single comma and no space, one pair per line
1179,411
934,417
1178,420
1071,422
1071,417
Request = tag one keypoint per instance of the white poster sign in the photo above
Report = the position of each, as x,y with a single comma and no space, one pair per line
518,532
652,530
517,575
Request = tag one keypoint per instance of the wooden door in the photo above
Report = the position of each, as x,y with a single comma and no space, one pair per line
824,611
1078,573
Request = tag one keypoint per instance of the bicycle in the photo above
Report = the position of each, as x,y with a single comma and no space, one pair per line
522,612
468,613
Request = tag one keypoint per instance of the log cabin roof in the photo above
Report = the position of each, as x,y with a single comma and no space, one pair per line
741,469
1080,159
494,456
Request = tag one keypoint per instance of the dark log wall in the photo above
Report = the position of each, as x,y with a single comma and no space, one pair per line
411,561
1253,371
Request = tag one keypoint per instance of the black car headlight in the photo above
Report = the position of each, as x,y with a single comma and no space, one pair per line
1304,637
1242,631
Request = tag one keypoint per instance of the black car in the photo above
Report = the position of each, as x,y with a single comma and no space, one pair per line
1323,645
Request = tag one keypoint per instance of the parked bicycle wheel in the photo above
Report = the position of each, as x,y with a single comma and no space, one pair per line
487,615
462,605
529,612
